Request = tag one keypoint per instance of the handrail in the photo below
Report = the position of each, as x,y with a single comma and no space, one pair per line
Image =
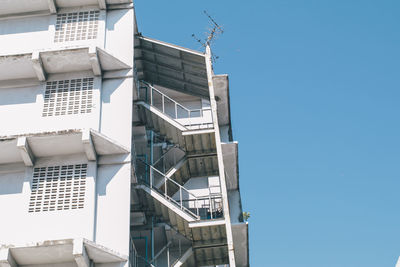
180,203
181,188
176,104
172,100
169,150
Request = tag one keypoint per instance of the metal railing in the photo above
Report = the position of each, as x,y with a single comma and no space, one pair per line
208,207
135,260
170,107
168,160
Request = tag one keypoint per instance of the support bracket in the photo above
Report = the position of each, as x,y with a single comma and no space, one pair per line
38,66
102,4
94,61
52,6
6,259
80,254
25,150
88,145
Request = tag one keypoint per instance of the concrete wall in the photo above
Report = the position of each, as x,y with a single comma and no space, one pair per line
64,264
106,215
21,109
24,35
119,34
20,226
113,207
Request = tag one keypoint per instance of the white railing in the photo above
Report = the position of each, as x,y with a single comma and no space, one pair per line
187,117
182,191
168,159
208,207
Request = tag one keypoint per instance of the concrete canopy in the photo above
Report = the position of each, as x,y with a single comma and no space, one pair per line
171,66
37,65
80,250
230,156
16,149
29,7
240,233
221,87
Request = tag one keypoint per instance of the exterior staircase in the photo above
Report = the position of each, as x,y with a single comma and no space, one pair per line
161,183
192,130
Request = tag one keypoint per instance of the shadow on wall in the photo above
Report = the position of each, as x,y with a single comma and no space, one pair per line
25,25
109,86
113,17
104,176
11,183
15,96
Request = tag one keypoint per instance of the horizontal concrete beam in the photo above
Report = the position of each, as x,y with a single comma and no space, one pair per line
207,223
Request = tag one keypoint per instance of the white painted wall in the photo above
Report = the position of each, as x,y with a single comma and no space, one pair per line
116,110
21,227
25,35
119,34
106,215
21,110
113,207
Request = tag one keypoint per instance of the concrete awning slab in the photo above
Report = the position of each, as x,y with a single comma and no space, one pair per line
59,251
29,7
171,66
230,156
100,254
40,63
221,88
27,148
240,233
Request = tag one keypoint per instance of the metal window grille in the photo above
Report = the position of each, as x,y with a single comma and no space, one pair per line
68,97
77,26
58,188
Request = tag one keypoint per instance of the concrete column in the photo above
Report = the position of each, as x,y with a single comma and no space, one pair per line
229,235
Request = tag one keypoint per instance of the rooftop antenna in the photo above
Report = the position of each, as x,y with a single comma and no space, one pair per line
214,31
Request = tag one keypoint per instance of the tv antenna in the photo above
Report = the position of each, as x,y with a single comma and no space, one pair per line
214,31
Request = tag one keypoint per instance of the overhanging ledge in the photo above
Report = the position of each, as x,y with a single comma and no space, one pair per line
77,250
37,65
27,148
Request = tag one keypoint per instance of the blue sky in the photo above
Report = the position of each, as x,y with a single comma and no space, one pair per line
315,106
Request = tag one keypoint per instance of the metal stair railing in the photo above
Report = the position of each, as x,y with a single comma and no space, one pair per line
135,260
182,191
208,207
163,159
174,110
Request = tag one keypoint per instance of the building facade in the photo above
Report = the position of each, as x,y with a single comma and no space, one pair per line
115,149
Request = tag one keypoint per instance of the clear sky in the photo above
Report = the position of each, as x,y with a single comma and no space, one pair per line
315,90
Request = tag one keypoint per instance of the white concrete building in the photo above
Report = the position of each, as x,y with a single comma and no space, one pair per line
115,149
